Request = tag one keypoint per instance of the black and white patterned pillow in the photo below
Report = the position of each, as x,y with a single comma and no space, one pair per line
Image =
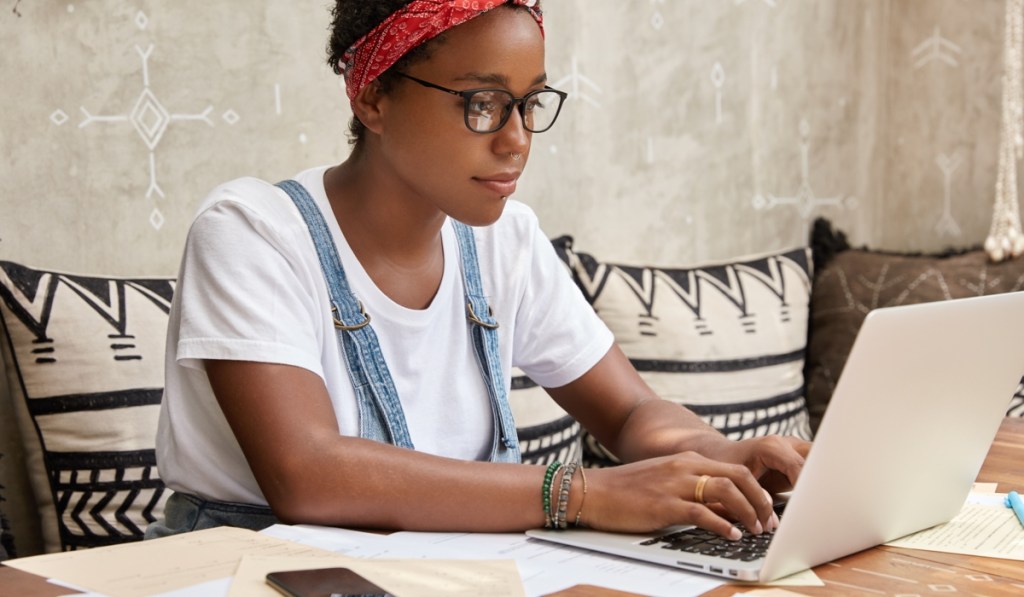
726,340
1016,408
546,432
84,361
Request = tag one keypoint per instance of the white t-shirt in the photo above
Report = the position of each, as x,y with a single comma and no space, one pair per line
251,288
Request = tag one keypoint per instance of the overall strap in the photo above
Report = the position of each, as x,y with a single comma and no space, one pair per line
484,330
380,411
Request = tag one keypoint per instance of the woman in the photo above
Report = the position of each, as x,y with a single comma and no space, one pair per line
284,402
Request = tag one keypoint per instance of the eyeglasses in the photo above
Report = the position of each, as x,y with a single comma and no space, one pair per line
487,110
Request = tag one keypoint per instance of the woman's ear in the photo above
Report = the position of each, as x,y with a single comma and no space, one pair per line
367,106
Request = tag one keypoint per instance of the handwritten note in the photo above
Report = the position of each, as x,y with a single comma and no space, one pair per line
979,530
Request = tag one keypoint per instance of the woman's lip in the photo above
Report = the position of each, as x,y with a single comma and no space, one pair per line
504,185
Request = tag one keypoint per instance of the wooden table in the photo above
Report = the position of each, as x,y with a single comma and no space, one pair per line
877,571
905,572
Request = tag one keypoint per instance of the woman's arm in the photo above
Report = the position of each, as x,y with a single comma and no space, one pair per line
309,473
617,406
285,424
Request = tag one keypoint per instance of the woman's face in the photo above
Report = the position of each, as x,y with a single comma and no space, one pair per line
424,137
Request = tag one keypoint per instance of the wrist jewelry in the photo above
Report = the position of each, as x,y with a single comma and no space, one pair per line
563,494
545,491
583,474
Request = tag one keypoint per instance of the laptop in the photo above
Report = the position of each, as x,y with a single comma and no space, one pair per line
911,419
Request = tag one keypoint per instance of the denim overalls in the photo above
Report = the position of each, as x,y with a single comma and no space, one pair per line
380,412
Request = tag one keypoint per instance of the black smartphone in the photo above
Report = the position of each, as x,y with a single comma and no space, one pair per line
324,582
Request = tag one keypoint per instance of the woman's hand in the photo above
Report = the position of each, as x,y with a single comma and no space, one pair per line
775,460
664,491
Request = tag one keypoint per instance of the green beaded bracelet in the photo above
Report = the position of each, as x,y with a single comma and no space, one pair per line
549,476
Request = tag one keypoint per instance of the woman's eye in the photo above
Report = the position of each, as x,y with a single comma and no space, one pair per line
482,106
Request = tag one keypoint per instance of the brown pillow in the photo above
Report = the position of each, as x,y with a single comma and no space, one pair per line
856,281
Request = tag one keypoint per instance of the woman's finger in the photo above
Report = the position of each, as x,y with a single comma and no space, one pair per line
737,490
723,491
705,518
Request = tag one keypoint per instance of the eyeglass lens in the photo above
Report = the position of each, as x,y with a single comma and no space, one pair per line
487,110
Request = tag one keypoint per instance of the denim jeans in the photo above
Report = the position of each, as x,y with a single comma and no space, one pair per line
184,512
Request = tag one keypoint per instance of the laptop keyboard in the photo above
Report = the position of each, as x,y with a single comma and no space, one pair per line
696,540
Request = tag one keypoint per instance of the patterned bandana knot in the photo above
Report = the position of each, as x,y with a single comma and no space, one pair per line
409,27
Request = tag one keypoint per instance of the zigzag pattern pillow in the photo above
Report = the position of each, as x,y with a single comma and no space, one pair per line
726,340
84,360
1016,408
546,432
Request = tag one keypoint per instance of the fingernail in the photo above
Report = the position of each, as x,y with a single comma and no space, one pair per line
758,529
735,534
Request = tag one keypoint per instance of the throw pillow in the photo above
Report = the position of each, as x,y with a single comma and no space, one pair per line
726,339
852,282
1017,402
6,540
84,361
546,432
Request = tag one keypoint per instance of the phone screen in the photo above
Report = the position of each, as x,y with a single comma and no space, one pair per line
324,582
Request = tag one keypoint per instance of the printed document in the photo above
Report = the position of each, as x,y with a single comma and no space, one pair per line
984,527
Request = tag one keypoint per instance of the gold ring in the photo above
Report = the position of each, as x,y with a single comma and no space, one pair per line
698,491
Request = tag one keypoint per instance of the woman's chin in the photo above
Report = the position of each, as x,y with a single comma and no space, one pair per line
482,216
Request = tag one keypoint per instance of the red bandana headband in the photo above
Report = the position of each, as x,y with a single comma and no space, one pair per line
408,27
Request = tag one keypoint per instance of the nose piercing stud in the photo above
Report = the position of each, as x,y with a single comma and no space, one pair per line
516,156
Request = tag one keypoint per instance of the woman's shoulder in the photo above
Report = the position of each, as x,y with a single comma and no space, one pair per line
260,196
248,192
246,208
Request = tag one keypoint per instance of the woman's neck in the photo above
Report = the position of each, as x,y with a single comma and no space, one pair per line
395,235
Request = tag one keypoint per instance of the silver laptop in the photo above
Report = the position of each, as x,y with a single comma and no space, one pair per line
918,403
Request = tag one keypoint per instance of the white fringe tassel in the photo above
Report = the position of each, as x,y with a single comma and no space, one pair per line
1005,239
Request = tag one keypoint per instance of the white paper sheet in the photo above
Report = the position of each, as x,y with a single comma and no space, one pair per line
545,567
984,527
159,566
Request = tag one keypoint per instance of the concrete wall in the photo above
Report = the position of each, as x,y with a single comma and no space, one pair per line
719,128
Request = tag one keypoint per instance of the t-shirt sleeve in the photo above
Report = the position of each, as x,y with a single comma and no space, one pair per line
244,292
558,336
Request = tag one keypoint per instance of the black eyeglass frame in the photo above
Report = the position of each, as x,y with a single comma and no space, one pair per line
518,102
